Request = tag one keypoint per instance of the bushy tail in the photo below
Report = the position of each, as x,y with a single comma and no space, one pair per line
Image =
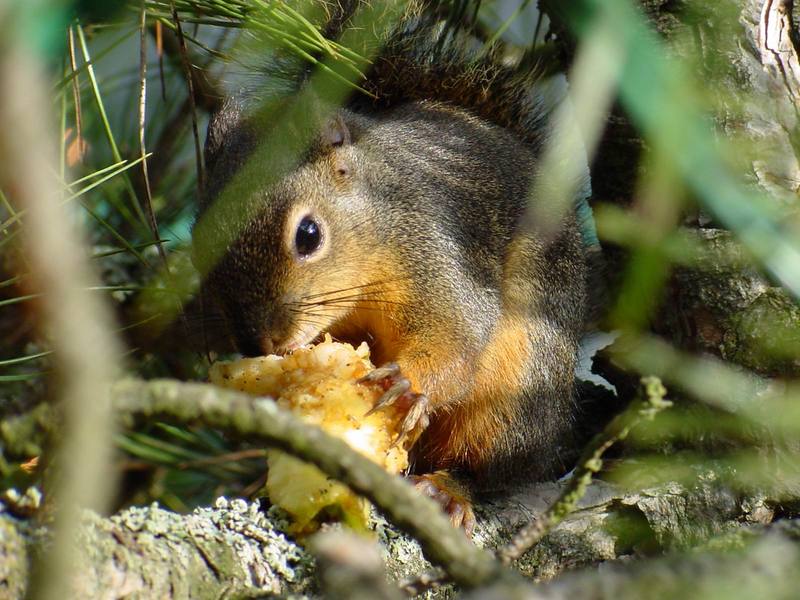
420,59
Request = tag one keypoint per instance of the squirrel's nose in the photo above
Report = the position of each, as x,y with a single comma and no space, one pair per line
252,347
258,332
248,347
255,345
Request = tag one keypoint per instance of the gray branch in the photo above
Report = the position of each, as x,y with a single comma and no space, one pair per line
234,550
261,418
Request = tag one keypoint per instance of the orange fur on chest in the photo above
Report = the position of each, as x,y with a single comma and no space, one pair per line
465,434
474,393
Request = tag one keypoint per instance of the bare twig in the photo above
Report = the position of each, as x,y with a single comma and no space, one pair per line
148,194
159,33
76,93
101,109
590,463
424,582
208,92
208,95
187,68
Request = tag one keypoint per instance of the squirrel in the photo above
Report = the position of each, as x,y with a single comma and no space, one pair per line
403,224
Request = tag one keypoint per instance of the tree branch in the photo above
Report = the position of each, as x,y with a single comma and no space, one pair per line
261,418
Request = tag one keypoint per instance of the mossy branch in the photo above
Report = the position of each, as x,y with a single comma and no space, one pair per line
260,418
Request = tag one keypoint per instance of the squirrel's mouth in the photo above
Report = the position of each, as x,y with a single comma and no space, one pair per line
308,334
305,335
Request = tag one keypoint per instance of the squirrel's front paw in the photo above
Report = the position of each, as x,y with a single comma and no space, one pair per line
397,392
453,497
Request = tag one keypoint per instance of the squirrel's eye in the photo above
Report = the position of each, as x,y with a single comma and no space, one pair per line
308,236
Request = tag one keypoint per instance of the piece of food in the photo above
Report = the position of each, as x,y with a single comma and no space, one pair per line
319,384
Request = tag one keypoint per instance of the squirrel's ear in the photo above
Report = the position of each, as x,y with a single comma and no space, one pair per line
335,132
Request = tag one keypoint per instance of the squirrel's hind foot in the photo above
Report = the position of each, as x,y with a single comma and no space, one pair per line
452,495
398,393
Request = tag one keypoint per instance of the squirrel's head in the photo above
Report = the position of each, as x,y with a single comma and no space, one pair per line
287,257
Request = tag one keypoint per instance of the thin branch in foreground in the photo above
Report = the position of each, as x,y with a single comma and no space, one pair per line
79,325
260,418
148,193
590,463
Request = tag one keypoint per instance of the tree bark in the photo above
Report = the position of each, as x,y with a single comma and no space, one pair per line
235,549
745,53
757,562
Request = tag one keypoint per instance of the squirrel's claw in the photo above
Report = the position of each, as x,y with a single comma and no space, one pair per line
397,392
453,498
416,420
388,371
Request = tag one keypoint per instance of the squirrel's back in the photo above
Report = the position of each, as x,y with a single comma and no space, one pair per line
458,171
